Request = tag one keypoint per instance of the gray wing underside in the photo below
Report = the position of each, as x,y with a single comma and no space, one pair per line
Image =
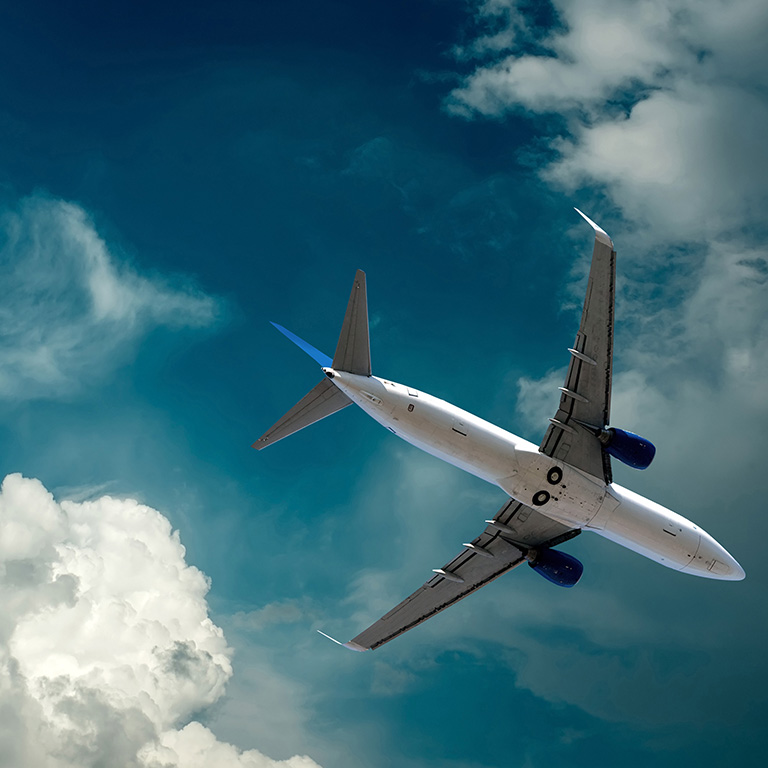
492,554
586,395
321,401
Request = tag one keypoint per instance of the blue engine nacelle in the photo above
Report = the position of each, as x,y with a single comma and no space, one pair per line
627,447
557,567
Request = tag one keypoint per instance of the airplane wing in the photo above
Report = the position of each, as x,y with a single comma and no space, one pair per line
484,559
586,395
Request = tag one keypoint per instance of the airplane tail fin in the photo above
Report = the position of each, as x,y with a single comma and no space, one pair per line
353,355
353,352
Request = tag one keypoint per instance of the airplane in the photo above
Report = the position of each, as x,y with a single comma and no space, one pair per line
557,489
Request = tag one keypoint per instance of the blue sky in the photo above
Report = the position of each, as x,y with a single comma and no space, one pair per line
174,177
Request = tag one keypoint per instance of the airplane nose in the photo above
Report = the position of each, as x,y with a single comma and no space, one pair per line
715,562
734,571
726,568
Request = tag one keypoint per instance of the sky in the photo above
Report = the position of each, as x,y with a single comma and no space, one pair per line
175,176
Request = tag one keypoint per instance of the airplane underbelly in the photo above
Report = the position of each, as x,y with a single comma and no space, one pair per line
554,488
484,450
462,444
649,529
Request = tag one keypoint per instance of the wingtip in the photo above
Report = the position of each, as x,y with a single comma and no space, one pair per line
355,647
350,645
600,233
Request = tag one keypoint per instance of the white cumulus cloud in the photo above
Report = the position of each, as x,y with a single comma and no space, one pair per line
194,746
107,651
71,310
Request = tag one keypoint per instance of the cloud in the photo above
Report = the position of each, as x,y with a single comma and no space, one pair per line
598,52
194,746
106,645
662,106
71,310
683,164
503,25
273,614
604,46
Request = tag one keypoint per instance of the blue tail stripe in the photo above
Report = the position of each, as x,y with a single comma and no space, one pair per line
315,354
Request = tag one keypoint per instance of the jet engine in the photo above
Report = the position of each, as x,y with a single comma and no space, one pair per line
557,567
627,447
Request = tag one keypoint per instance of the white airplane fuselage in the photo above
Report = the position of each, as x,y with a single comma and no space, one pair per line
515,465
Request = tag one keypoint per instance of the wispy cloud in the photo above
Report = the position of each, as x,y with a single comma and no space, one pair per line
658,106
71,310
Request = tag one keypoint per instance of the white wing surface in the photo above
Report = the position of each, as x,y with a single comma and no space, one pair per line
586,395
487,557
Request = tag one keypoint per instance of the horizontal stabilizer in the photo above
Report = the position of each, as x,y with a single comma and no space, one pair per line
353,352
321,401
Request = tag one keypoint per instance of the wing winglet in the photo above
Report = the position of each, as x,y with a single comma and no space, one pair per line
350,645
600,233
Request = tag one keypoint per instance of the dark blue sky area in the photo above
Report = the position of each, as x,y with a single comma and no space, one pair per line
273,156
285,130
